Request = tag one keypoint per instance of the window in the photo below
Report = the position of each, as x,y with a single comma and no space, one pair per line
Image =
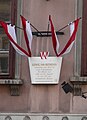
7,53
84,40
81,45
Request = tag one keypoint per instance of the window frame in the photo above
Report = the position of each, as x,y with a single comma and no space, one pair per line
78,42
81,40
11,73
84,41
80,69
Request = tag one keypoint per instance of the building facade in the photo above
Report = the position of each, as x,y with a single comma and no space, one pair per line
19,99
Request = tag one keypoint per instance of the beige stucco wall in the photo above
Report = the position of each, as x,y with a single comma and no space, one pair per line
78,103
45,98
51,97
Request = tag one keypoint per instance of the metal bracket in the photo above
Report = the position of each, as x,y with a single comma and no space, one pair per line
46,33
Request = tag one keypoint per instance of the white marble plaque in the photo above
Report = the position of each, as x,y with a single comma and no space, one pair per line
45,71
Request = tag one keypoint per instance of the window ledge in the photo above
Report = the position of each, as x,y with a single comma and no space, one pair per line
11,82
78,80
14,85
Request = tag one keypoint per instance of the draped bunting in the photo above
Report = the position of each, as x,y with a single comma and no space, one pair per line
11,33
27,33
69,44
54,38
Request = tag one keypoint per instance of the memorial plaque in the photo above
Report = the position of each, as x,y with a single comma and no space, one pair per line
45,71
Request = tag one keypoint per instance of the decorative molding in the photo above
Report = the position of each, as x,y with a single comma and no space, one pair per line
77,91
19,38
45,118
14,90
8,117
84,118
39,116
78,80
14,85
26,118
78,13
11,82
65,118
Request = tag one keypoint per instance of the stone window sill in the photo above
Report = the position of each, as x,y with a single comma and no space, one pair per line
14,85
78,80
11,82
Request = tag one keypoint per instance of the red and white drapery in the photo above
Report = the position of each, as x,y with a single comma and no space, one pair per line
11,33
69,44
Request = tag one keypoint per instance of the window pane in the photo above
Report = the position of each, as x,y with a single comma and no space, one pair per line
5,10
4,42
5,15
84,41
4,65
